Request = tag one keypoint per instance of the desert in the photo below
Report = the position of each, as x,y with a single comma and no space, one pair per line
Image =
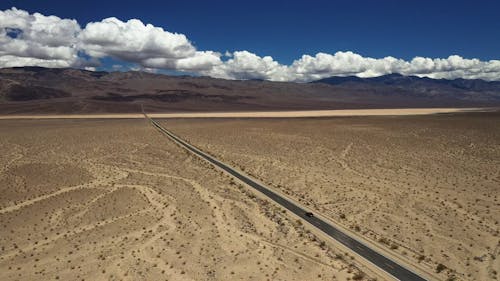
423,187
257,140
116,200
255,114
92,190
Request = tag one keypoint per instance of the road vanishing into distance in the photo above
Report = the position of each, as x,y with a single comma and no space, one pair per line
396,270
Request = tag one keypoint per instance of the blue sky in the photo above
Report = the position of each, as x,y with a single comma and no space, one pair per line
286,30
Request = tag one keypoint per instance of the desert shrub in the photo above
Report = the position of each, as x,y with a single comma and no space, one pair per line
358,276
440,267
451,278
383,240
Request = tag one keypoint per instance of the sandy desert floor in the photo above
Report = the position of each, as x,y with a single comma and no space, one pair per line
256,114
116,200
424,187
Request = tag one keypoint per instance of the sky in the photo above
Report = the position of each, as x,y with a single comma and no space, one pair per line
272,40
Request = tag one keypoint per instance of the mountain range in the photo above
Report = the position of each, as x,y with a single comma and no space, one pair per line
37,90
416,82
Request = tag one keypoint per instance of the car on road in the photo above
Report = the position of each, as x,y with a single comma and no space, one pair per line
309,214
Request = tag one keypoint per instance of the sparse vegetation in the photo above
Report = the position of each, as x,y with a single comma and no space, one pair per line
114,200
358,276
440,267
404,181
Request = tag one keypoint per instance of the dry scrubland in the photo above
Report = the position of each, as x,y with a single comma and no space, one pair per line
424,187
115,200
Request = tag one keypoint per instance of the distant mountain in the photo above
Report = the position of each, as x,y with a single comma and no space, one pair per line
44,90
414,81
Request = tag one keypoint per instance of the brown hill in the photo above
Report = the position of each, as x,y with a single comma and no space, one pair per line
43,90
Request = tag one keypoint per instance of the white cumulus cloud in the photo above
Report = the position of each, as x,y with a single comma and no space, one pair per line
133,41
246,65
147,45
35,39
200,61
38,40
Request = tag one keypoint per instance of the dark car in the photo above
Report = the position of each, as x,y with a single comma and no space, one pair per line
309,214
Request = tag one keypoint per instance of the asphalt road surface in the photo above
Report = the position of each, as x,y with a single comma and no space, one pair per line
396,270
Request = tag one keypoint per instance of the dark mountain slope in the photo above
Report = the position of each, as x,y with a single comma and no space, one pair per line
43,90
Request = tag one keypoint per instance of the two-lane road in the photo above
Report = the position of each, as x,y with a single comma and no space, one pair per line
396,270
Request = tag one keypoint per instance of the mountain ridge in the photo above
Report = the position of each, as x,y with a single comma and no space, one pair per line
47,90
394,78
